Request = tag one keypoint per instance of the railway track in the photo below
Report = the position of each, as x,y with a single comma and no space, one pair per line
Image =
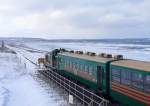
28,49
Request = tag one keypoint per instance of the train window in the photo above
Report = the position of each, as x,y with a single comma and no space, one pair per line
147,84
86,68
74,66
63,59
148,79
116,75
60,59
137,77
83,67
93,71
71,64
137,81
78,67
90,70
125,77
66,63
116,72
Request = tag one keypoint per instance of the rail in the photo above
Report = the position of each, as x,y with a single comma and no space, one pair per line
29,49
87,97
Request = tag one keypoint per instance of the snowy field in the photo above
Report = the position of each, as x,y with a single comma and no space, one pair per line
19,85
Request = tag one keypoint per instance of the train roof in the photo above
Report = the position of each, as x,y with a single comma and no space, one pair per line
134,64
87,57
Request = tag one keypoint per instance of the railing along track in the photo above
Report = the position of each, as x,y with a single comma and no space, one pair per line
87,97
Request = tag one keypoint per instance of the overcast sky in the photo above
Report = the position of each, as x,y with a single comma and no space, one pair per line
75,18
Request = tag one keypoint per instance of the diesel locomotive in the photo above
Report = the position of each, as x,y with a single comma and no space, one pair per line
122,80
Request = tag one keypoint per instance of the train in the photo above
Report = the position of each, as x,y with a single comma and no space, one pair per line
120,80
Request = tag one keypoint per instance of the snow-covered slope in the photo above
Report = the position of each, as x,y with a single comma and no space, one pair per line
18,87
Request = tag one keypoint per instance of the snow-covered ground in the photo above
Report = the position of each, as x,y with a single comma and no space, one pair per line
18,83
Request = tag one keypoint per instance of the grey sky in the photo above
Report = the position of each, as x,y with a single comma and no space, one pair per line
75,18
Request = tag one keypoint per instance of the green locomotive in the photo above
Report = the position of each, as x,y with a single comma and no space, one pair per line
122,80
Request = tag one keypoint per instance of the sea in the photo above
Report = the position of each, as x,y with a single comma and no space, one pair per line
136,49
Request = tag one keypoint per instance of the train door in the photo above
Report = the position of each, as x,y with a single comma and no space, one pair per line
99,77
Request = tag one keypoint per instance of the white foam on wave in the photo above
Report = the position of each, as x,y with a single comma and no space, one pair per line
132,51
